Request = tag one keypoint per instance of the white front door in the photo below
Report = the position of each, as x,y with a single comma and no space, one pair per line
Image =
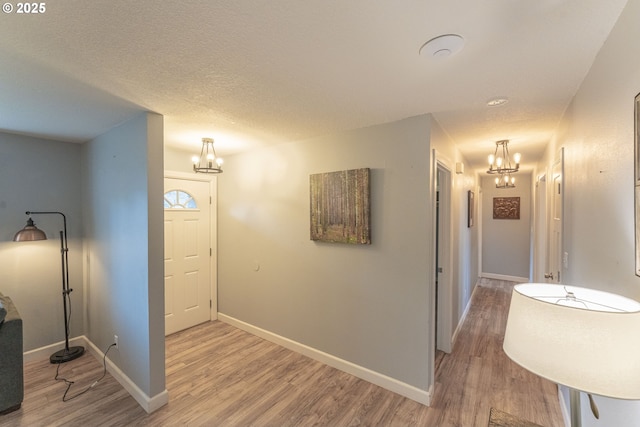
187,232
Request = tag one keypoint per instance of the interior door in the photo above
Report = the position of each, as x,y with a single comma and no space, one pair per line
553,274
187,254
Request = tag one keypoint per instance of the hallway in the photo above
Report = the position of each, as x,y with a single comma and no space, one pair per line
477,375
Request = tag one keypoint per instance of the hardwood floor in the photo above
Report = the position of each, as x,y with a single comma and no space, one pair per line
477,375
218,375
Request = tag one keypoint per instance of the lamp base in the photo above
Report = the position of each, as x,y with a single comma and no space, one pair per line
66,355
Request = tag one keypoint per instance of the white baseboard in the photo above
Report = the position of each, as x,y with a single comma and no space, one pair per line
147,403
391,384
564,408
463,317
504,277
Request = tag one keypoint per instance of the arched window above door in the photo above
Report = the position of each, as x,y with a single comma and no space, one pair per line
178,199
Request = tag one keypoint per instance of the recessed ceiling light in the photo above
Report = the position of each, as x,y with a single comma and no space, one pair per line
496,102
442,46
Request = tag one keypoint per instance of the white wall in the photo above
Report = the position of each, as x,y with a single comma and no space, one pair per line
124,240
177,160
598,133
506,247
40,175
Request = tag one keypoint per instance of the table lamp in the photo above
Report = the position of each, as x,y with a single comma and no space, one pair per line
584,339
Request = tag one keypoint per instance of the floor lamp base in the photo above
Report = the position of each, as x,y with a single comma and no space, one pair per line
66,355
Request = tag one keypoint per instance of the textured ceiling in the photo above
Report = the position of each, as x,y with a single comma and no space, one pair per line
252,72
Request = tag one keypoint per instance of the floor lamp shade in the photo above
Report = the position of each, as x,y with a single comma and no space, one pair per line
581,338
29,233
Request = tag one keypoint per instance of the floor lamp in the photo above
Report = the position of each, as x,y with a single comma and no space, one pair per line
31,233
584,339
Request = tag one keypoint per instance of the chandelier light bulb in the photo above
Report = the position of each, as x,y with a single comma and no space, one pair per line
499,162
219,161
492,159
516,158
195,160
505,180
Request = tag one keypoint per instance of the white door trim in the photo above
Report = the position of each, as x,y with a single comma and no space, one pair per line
444,330
479,219
213,238
440,162
540,232
556,216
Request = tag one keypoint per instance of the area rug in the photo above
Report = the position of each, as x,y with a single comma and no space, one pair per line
497,418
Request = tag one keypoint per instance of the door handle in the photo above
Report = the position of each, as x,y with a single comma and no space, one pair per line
548,276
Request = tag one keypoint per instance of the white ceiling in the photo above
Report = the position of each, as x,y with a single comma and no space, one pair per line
253,72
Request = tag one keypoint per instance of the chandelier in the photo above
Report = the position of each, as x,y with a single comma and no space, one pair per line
505,180
208,162
500,162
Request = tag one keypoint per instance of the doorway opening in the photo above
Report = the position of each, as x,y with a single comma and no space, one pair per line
442,279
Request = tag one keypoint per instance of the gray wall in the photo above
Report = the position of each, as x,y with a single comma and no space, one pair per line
124,241
365,304
40,175
110,189
506,248
264,194
597,133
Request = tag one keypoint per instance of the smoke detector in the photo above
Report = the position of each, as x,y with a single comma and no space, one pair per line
442,46
497,101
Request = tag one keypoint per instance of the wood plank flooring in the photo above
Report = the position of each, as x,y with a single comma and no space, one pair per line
218,375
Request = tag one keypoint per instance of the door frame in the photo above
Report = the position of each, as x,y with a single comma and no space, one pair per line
444,328
479,220
213,227
556,265
440,163
541,230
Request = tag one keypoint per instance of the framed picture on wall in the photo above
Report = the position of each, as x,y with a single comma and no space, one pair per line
470,208
340,207
506,208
